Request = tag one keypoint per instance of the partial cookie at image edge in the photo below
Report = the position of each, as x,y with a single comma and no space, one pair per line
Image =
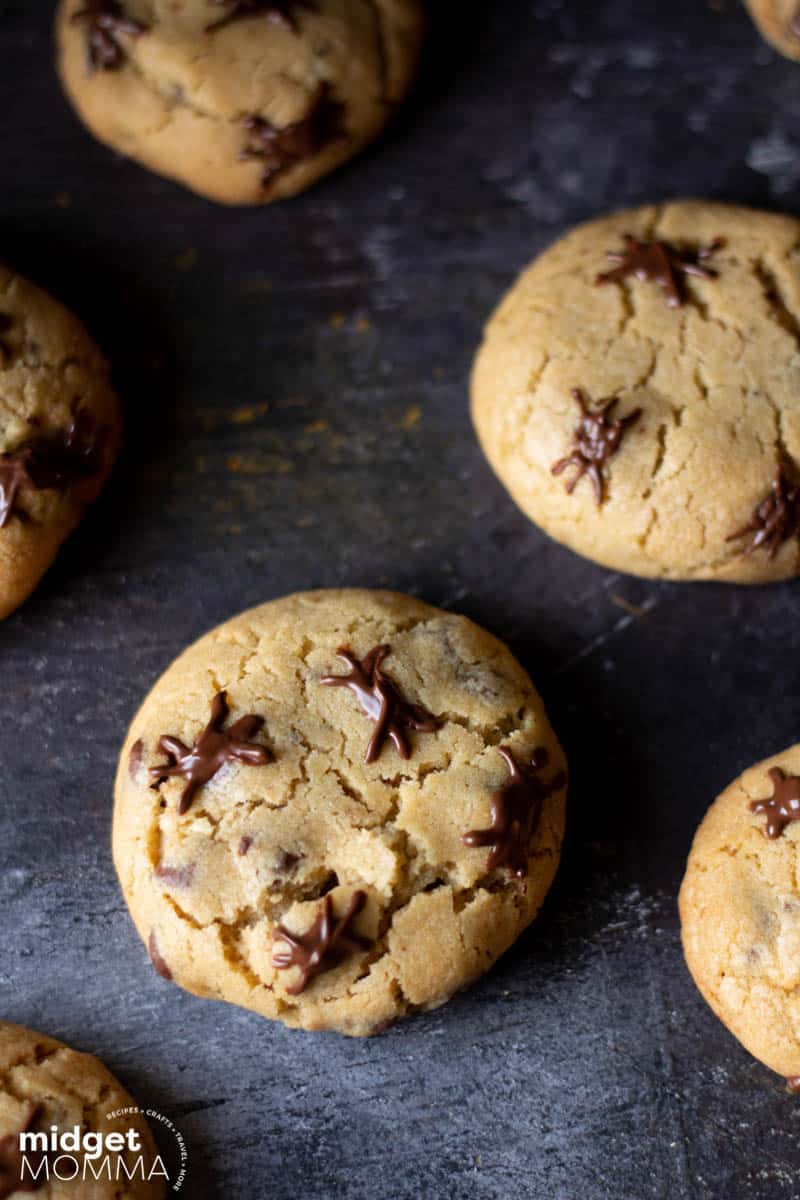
739,906
241,108
779,22
60,430
46,1084
635,387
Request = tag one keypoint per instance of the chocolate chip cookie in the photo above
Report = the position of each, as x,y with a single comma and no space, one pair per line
243,101
779,22
60,426
740,911
338,808
45,1085
636,392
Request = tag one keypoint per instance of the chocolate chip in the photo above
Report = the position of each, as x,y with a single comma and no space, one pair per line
158,962
52,461
285,861
179,877
281,147
135,759
104,21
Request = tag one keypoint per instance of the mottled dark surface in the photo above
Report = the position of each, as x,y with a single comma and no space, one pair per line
295,382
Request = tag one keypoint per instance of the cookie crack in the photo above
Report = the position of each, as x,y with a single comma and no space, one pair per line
181,101
778,307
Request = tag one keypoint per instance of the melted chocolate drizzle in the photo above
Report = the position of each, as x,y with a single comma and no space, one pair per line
774,520
661,263
783,806
211,750
11,1165
105,20
322,946
596,439
280,148
54,461
516,810
282,12
382,702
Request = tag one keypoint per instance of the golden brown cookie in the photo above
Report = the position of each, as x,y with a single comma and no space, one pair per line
740,910
60,426
44,1084
243,101
779,22
338,808
636,392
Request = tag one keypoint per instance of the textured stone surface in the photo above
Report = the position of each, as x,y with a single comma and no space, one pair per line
586,1064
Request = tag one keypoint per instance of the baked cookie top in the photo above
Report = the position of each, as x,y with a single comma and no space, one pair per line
59,431
42,1084
740,910
779,22
637,392
241,100
358,806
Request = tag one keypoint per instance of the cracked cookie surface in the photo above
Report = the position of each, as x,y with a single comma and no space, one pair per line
209,94
60,426
740,917
68,1089
779,22
263,846
716,377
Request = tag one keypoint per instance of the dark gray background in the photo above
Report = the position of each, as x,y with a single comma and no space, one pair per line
586,1065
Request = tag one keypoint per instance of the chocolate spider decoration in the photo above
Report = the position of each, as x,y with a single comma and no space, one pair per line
279,148
516,810
661,263
105,20
595,440
280,11
322,945
783,806
52,461
211,750
382,702
774,520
